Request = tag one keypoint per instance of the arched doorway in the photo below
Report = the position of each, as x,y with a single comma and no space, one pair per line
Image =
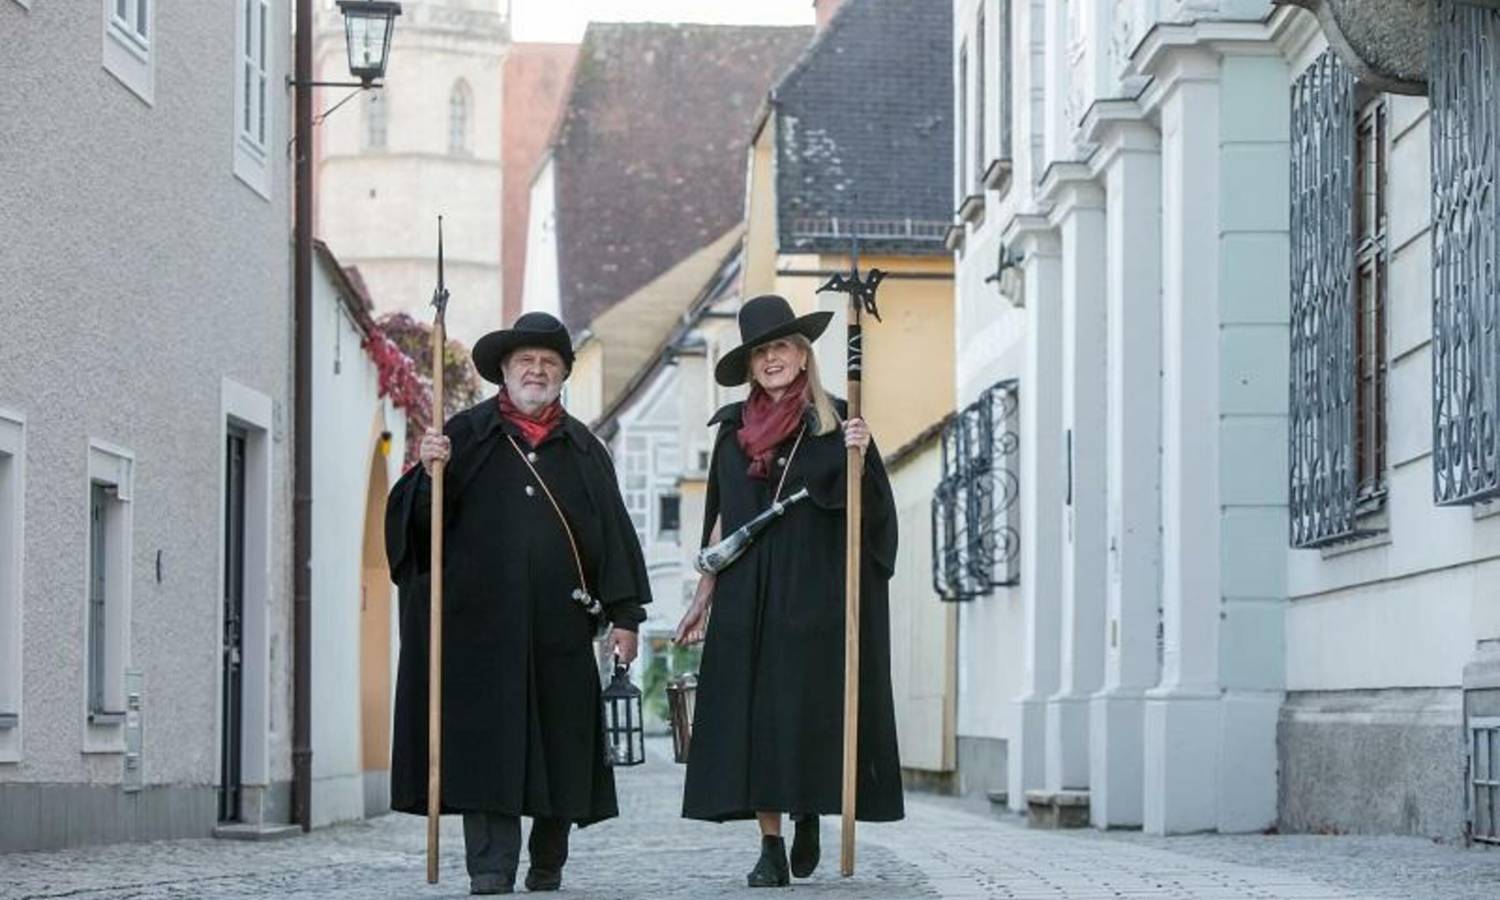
375,643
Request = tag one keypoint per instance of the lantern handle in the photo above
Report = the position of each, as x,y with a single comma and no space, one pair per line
620,668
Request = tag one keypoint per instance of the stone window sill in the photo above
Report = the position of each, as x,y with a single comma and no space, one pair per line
971,209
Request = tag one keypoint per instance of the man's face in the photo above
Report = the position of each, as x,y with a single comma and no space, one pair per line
534,377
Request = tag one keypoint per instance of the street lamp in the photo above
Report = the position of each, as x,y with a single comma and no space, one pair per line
367,27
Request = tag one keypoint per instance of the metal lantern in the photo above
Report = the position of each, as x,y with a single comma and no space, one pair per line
682,697
624,729
368,25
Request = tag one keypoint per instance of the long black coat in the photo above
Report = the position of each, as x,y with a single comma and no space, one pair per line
522,727
768,726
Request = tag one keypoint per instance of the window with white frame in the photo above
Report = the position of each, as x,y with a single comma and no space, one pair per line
12,503
129,35
961,139
459,103
980,159
253,118
668,514
637,487
995,169
377,114
107,593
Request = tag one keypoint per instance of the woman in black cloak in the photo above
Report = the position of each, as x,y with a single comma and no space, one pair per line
768,725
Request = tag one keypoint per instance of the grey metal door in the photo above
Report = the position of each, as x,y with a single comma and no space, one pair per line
232,736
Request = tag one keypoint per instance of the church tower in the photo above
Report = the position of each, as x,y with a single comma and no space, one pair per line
426,144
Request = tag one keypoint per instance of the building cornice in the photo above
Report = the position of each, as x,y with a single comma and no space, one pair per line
1069,186
1213,37
1117,127
480,162
1032,232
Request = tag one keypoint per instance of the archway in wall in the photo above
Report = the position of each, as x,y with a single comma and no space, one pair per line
375,645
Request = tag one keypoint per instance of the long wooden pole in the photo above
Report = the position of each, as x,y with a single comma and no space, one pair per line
855,462
435,624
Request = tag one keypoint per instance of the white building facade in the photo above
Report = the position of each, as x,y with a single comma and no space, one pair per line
359,448
145,398
1238,604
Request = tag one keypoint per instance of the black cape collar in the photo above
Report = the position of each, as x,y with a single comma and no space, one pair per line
734,414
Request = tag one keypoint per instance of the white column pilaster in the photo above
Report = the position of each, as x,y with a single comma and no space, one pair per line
1182,713
1254,253
1078,212
1130,158
1041,497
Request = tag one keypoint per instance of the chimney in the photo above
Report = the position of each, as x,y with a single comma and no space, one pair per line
825,10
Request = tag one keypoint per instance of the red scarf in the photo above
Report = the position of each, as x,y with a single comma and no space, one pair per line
534,428
766,423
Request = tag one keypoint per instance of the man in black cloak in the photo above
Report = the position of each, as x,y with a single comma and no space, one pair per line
535,531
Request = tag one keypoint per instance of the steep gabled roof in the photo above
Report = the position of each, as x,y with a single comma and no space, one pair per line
718,286
649,157
864,133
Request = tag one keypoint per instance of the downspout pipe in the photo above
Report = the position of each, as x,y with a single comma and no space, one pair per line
302,430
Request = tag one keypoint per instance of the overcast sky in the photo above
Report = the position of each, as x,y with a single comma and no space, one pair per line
564,20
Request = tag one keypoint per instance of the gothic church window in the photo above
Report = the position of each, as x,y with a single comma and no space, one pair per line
459,106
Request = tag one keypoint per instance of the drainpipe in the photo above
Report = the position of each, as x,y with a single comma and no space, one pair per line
302,432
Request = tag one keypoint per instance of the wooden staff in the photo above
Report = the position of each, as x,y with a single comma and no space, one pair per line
861,299
855,511
435,624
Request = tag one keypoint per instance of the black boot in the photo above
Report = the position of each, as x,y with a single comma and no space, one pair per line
770,870
805,849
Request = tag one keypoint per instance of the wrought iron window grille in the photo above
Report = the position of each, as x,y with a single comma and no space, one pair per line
1464,76
1336,427
976,538
1372,267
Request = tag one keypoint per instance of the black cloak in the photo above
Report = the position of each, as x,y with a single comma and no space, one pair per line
522,723
768,726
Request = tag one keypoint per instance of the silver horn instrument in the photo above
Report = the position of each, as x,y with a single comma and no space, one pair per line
715,559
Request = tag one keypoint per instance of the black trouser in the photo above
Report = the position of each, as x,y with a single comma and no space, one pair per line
492,844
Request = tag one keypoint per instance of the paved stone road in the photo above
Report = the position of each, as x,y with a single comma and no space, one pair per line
945,848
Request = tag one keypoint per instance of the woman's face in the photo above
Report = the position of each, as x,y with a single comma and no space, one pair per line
776,364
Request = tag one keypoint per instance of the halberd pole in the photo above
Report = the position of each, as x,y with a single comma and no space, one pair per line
435,624
861,299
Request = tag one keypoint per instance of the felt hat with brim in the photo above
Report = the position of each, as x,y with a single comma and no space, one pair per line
764,319
534,329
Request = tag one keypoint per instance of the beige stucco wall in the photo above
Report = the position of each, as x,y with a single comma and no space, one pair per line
583,393
908,379
924,630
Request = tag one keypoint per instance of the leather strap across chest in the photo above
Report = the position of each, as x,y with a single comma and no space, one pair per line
567,529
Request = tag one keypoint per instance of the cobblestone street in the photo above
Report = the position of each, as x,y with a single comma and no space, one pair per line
945,848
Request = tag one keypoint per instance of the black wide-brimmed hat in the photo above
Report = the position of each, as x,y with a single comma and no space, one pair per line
764,319
534,329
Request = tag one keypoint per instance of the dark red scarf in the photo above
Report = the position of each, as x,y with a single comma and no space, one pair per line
534,428
766,423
